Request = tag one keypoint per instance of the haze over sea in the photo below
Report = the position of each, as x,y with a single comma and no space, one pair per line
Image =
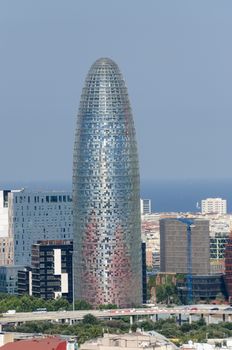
183,195
166,195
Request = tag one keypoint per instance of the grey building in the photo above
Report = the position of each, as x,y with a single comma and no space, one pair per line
37,215
185,246
106,195
25,281
203,287
9,279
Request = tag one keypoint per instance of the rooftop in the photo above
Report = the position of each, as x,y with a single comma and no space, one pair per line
49,343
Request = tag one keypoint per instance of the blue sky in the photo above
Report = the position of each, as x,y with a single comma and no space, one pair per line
176,57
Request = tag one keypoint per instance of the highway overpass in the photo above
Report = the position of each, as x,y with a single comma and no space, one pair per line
155,313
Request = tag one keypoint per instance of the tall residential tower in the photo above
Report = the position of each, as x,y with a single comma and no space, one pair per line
106,199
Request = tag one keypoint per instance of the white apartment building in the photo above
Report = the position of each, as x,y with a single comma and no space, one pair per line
33,216
145,206
6,243
4,213
214,206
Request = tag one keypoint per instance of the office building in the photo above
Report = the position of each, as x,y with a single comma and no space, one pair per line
228,267
214,206
217,253
25,281
35,215
144,273
106,201
206,287
145,206
9,279
52,269
184,246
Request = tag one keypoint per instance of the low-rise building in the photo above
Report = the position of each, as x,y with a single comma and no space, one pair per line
133,341
46,343
206,287
6,338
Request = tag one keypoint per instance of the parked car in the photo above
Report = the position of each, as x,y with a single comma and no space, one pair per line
214,309
11,312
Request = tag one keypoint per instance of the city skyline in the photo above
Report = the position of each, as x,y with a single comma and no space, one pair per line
175,57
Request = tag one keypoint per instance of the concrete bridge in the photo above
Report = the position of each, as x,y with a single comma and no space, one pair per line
154,313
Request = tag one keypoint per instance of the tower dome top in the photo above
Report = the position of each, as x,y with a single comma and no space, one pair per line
104,61
104,64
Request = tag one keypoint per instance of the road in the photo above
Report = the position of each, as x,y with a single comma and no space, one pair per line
78,315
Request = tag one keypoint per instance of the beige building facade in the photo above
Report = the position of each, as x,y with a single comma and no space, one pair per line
176,245
133,341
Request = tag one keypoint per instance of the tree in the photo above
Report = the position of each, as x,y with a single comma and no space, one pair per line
90,319
107,306
147,325
117,324
167,293
185,327
82,305
60,303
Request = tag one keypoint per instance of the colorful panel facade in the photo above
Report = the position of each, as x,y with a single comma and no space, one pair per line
106,200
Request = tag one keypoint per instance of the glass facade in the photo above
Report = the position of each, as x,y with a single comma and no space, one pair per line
106,198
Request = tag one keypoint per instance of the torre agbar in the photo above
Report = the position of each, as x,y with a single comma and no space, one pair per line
106,196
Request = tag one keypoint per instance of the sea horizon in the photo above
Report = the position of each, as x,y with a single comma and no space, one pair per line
179,195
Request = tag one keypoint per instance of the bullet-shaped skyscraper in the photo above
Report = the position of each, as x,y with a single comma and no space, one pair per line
106,198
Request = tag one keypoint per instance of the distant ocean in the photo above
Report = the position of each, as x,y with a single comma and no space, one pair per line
166,195
183,195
